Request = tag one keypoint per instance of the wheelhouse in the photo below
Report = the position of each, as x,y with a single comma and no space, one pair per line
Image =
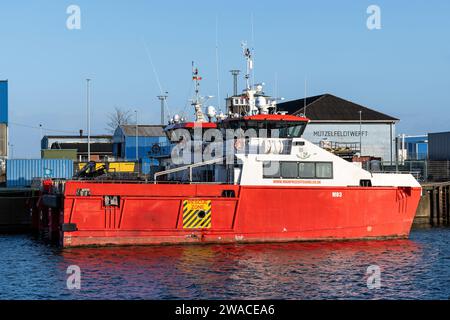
274,125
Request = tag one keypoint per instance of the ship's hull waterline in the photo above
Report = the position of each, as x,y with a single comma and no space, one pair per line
92,213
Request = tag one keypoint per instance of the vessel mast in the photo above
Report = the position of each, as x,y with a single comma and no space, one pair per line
197,102
249,58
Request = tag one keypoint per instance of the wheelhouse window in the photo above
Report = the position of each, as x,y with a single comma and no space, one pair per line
271,169
324,170
272,129
297,170
291,130
289,170
307,170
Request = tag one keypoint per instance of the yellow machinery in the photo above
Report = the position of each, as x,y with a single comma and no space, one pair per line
112,167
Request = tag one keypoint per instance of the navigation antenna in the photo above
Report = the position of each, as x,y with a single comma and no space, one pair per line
304,101
253,48
248,56
217,63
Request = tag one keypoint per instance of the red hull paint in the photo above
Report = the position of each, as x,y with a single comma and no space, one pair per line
153,213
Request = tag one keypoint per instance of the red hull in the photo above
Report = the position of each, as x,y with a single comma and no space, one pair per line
153,213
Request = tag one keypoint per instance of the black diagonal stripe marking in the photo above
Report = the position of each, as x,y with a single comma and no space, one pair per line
190,219
192,223
187,214
203,222
197,221
206,223
206,217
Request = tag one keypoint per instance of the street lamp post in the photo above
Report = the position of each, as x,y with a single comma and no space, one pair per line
235,74
40,133
360,133
88,102
163,99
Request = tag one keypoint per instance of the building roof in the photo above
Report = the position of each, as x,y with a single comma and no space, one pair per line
327,107
143,130
276,117
445,133
78,137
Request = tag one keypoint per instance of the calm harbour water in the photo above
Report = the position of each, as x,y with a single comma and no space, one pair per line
418,268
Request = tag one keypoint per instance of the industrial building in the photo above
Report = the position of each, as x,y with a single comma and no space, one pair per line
439,146
131,142
340,124
439,156
3,126
412,147
68,146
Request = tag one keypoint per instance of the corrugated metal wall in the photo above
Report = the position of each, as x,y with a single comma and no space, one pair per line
20,173
439,170
439,146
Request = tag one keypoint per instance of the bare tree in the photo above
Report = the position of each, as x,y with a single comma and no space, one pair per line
117,118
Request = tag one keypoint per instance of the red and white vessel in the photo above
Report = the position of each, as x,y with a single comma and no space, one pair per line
264,183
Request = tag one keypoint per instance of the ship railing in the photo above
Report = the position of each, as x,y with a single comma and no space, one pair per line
339,146
187,167
416,174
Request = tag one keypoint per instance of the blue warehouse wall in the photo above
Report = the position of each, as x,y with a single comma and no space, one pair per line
4,102
145,145
417,147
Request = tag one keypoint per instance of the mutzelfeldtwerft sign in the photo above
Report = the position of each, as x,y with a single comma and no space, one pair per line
339,133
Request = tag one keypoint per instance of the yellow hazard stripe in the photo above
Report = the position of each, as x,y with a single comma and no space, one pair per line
200,223
192,218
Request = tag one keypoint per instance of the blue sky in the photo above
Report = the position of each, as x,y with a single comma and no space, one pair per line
402,69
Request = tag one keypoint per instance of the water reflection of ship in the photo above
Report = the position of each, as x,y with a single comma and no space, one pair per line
306,270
